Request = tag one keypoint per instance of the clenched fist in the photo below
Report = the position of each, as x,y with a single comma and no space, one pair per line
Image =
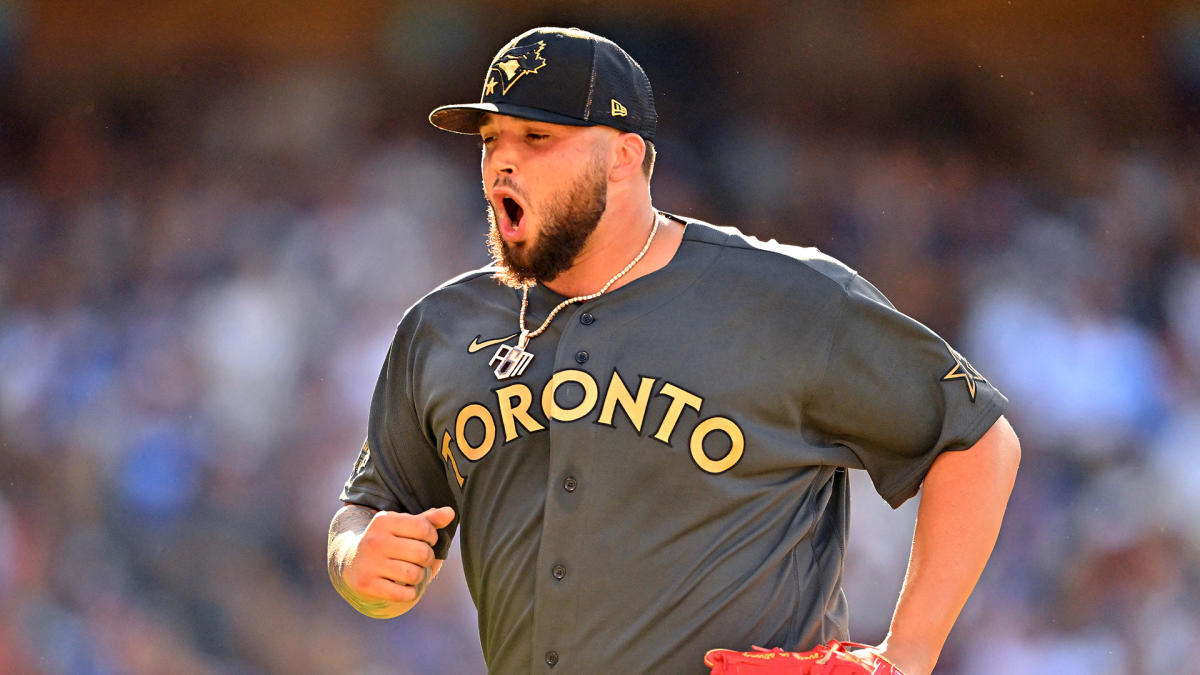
381,561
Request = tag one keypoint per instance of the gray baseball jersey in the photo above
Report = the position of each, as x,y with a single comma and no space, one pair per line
668,474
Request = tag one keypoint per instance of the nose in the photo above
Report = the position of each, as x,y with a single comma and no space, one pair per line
500,155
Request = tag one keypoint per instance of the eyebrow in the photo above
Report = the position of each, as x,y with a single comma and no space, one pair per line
526,124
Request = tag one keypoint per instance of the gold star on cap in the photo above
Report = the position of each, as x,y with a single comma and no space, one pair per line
490,86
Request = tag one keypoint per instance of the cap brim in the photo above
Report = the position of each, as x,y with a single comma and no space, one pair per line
464,118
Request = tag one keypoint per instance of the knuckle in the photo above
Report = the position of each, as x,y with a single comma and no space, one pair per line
387,520
405,593
373,544
423,553
405,551
413,574
420,553
395,522
390,591
358,579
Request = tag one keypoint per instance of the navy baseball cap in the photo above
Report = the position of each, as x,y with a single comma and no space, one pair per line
564,76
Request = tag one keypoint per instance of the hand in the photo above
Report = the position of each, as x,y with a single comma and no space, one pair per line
908,664
393,559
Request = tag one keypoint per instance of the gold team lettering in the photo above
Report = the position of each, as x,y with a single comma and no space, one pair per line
515,402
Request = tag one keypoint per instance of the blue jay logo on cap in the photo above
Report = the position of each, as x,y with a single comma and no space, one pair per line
512,65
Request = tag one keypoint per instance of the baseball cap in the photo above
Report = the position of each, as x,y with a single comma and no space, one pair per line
564,76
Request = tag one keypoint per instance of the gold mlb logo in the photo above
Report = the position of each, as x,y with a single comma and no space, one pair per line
618,110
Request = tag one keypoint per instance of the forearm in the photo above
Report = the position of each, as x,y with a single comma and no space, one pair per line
345,531
963,500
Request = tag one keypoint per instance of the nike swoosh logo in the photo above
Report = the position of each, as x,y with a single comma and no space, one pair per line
476,345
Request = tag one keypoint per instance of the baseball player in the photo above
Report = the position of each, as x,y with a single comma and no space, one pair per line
640,425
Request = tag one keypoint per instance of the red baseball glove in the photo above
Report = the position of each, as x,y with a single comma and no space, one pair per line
827,659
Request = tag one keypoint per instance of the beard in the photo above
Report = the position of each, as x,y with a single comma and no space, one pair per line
568,219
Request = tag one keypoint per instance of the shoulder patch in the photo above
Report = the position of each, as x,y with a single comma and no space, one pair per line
363,456
963,370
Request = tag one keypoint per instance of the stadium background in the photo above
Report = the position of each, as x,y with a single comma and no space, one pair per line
212,214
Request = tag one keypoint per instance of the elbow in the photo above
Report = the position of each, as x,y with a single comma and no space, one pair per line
1006,451
993,460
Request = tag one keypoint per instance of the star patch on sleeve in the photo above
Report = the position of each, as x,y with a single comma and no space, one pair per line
363,456
964,371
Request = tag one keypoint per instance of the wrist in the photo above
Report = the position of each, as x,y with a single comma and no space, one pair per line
340,560
912,658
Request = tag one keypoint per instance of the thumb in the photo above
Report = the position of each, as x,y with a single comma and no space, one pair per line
439,517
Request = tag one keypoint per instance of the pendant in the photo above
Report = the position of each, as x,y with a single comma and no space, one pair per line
512,361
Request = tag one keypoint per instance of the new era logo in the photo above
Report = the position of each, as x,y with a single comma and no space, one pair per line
618,110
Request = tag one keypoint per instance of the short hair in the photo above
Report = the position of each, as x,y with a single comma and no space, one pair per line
648,160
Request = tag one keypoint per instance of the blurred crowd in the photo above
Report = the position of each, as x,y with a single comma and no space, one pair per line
198,285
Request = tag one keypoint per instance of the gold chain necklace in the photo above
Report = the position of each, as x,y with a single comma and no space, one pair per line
512,361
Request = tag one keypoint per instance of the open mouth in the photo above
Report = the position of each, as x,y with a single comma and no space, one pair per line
513,210
509,217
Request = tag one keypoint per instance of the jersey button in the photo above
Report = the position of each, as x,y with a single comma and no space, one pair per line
570,484
552,658
559,572
587,319
581,356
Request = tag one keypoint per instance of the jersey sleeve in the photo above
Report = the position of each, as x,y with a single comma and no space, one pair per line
398,468
895,394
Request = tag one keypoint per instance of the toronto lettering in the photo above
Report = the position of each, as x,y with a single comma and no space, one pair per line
516,405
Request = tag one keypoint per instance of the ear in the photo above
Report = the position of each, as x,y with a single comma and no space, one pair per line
628,150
